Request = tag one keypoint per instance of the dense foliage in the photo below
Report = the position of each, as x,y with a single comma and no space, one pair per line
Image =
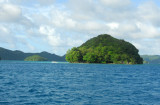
104,49
0,58
35,58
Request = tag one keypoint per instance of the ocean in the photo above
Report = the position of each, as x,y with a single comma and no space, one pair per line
46,83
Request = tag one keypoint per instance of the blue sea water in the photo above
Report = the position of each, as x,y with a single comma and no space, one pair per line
32,83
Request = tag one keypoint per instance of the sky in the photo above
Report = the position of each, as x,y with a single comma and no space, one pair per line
58,25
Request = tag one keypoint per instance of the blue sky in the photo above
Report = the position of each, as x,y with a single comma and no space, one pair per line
58,25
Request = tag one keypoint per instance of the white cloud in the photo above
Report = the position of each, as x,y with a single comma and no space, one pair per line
43,24
51,36
62,19
116,3
146,47
9,40
92,25
149,12
113,25
147,31
74,43
9,13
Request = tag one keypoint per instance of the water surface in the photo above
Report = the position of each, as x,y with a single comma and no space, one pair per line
32,83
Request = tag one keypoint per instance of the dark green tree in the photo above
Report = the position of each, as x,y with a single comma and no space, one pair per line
74,55
90,57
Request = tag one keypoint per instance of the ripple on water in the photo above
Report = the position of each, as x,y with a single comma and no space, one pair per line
41,83
4,103
32,90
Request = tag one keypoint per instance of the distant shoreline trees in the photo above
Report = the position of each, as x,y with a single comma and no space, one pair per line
35,58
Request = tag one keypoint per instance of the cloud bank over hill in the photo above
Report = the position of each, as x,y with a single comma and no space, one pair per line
57,25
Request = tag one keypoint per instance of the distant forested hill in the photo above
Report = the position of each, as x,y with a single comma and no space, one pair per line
6,54
152,59
104,49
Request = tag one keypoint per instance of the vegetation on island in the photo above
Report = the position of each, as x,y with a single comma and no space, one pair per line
104,49
0,58
35,58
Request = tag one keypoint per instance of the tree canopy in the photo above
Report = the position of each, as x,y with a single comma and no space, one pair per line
104,49
35,58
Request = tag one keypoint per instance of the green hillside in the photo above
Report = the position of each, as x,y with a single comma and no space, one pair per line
105,49
6,54
35,58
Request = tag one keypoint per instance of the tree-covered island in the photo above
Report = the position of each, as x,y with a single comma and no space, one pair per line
104,49
35,58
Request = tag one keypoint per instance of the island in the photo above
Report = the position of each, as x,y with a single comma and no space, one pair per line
35,58
104,49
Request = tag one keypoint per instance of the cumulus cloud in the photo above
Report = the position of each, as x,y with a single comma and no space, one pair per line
51,36
58,25
62,19
116,3
147,31
146,47
149,12
9,40
9,13
113,25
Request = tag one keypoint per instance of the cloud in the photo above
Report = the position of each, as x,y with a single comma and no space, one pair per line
50,34
9,13
149,12
147,31
46,2
116,3
146,47
57,25
62,19
113,25
11,41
